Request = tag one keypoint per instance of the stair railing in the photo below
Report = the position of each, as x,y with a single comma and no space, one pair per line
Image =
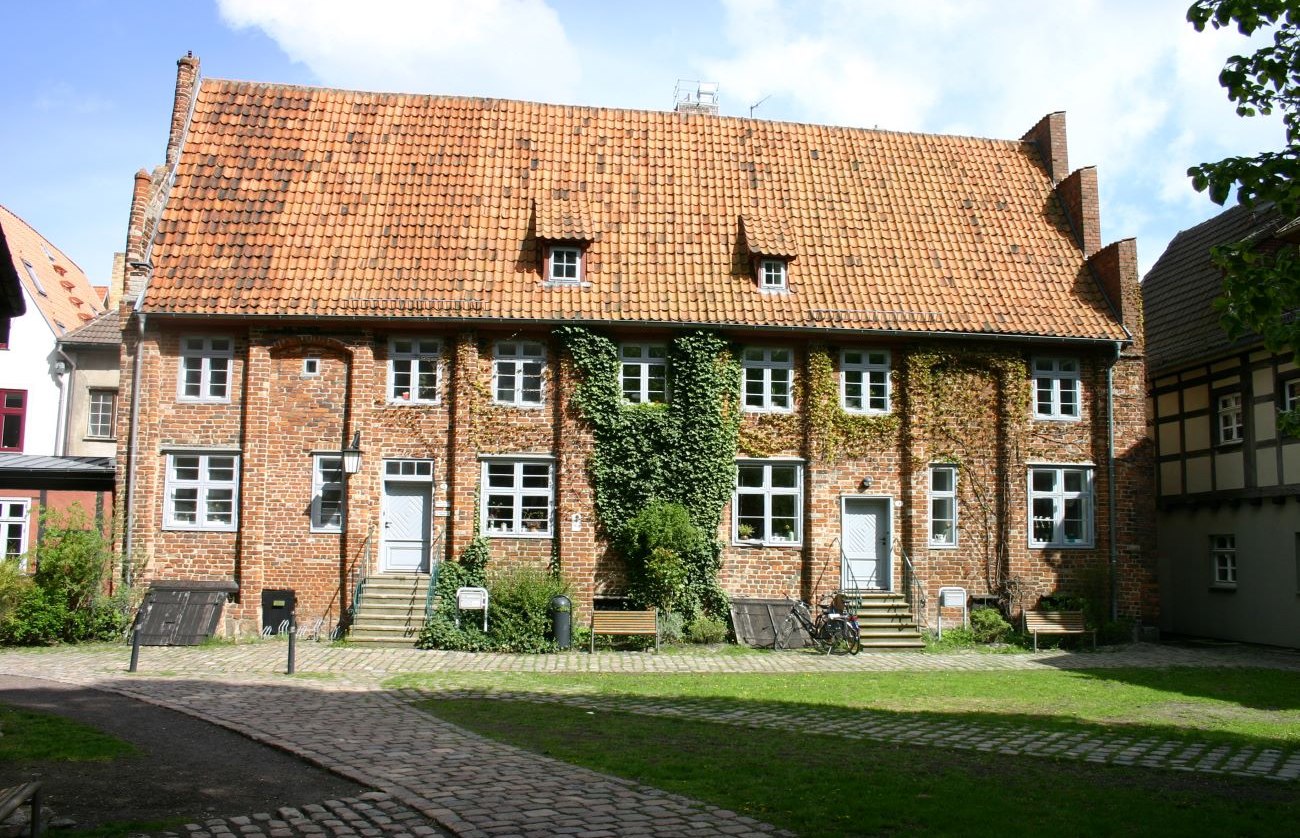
361,570
435,565
916,599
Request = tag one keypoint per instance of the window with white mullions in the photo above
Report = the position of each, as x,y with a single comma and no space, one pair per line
943,506
768,503
200,492
517,497
1056,388
1060,500
517,373
13,530
327,493
768,377
644,373
1223,560
564,264
205,370
100,414
414,369
13,419
1230,418
772,274
864,381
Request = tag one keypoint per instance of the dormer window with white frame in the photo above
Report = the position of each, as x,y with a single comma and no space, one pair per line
773,274
564,264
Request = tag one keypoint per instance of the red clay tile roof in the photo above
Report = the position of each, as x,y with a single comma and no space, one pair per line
303,201
62,292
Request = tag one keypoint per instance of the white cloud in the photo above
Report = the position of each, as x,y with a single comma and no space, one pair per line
514,48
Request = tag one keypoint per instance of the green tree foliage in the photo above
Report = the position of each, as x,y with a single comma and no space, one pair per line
1261,288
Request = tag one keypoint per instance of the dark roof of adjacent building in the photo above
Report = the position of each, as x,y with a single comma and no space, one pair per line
27,471
104,330
1181,323
295,201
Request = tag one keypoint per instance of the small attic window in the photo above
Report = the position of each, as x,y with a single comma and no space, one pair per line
772,274
48,254
36,280
564,264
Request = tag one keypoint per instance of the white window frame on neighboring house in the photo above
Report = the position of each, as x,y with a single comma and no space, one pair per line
327,502
1230,418
1057,389
1223,560
14,529
864,381
1291,394
414,370
564,264
764,370
205,369
1051,502
101,413
943,505
519,373
518,497
201,491
773,274
771,494
643,373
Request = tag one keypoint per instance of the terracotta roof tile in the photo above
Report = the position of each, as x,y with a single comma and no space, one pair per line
323,202
62,292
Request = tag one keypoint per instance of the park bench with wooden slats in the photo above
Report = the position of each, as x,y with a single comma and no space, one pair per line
1057,622
14,797
625,623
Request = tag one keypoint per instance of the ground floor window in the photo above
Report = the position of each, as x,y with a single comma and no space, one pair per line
768,502
1060,502
13,529
517,497
201,491
943,506
1223,560
327,493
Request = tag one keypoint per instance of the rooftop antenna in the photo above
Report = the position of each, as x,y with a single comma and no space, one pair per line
754,106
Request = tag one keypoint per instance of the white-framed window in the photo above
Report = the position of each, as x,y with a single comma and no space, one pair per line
864,381
414,370
1291,394
518,371
13,529
201,490
101,411
943,505
36,280
772,274
1060,504
1056,388
205,369
1223,560
327,493
563,263
768,376
517,497
1229,418
409,471
310,366
768,505
644,372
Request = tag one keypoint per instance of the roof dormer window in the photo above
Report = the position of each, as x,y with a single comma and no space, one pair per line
772,274
564,264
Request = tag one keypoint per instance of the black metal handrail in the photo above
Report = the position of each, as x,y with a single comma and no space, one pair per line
916,599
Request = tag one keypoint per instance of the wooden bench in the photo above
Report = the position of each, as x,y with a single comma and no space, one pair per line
625,623
1056,622
14,797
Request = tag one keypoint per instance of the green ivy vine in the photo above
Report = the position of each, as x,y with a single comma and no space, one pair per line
683,451
835,434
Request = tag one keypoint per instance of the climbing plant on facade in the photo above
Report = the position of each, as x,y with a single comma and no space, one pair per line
683,451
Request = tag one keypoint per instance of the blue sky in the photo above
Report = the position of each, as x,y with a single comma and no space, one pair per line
89,83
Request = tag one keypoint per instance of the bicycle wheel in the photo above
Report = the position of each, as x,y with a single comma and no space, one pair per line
787,630
842,638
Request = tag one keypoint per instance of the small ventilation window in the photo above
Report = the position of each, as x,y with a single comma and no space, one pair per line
772,274
564,264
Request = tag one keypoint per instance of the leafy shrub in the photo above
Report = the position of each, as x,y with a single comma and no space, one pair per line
661,580
953,638
987,625
704,629
672,627
665,552
519,606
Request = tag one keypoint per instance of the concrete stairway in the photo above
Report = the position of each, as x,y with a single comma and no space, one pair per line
391,611
885,620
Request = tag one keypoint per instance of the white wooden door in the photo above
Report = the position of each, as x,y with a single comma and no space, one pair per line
406,527
864,534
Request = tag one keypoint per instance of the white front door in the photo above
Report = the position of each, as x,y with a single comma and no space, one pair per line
864,534
406,527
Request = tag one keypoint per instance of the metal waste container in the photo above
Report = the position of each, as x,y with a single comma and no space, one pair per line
562,621
277,611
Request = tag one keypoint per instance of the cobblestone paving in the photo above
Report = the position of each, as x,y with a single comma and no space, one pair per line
435,779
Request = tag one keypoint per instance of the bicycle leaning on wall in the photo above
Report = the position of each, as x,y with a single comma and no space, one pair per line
834,629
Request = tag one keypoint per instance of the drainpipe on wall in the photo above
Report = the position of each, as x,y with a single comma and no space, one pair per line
62,367
1110,483
128,523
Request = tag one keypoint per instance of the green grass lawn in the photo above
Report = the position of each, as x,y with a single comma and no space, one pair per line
29,736
833,786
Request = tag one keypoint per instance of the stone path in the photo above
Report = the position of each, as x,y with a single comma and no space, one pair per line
433,778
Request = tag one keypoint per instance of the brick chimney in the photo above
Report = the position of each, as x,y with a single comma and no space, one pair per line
1078,197
1116,268
133,277
187,74
1048,136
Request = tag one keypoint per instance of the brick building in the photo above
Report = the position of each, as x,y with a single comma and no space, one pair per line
933,343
